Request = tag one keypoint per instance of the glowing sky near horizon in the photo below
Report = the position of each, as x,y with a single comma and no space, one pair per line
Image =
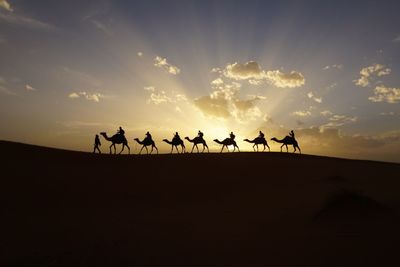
330,71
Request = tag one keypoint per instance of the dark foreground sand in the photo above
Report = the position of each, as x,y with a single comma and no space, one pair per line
63,208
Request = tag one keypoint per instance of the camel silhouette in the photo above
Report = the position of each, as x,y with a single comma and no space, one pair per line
227,142
175,143
145,143
258,141
288,141
198,140
117,139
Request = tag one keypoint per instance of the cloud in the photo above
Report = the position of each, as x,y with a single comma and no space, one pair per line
95,97
140,54
27,22
313,97
302,113
334,66
102,27
326,113
336,121
160,96
253,72
4,4
162,63
280,79
385,94
397,39
29,88
368,73
217,81
224,102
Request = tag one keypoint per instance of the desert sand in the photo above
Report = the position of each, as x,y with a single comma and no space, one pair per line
66,208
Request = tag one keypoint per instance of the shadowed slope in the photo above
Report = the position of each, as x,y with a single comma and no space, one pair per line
65,208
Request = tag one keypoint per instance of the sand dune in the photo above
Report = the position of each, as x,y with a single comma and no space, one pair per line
65,208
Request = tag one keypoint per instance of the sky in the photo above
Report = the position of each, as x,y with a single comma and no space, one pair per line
329,70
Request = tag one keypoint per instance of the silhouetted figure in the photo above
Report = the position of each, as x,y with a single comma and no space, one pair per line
147,141
228,142
97,144
291,134
288,140
121,131
117,139
232,136
260,140
176,141
198,140
148,135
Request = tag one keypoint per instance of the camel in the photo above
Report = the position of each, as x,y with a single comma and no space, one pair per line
258,141
227,142
198,140
175,143
145,143
288,141
117,139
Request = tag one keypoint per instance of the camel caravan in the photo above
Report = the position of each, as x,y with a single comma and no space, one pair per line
178,144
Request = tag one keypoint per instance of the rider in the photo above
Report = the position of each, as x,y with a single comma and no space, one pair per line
261,135
121,131
176,136
291,134
232,136
148,135
200,134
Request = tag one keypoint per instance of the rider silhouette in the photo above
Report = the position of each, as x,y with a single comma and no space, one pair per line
261,135
200,134
121,131
97,144
291,134
232,136
176,136
148,135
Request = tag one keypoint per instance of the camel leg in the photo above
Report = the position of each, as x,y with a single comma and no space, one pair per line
192,149
123,146
141,150
268,148
197,147
287,149
205,145
110,148
156,149
237,148
129,149
183,149
263,148
254,148
282,146
222,148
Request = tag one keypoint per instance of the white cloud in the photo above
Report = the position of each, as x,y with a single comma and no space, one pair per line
370,72
95,97
326,113
339,120
385,94
280,79
162,63
4,4
160,96
224,102
313,97
217,81
253,72
302,113
334,66
27,22
29,88
102,27
140,54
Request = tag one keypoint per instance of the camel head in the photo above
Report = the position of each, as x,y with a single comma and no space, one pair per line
136,139
187,138
274,139
165,140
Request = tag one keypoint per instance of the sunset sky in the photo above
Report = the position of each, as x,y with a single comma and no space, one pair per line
329,71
